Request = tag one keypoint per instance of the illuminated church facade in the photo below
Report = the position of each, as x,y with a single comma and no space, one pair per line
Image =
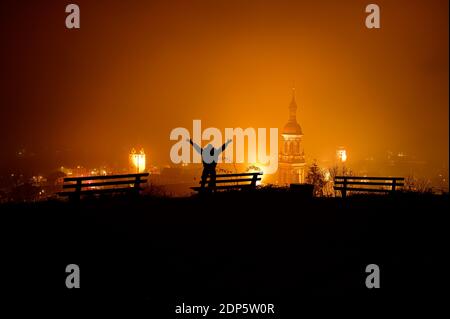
291,163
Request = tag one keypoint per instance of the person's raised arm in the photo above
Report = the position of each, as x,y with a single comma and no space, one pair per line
196,147
224,146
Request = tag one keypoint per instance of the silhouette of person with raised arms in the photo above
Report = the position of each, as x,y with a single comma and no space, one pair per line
210,157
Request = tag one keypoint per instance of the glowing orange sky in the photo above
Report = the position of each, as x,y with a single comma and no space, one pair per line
137,69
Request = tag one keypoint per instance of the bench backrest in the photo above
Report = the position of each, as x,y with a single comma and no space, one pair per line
236,180
367,184
103,183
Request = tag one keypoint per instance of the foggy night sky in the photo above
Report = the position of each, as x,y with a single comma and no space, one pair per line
137,69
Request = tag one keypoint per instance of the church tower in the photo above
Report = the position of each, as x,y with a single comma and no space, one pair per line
291,164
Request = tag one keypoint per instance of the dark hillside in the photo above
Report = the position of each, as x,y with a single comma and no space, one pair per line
240,247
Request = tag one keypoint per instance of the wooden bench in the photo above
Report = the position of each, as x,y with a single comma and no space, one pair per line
367,184
86,185
231,181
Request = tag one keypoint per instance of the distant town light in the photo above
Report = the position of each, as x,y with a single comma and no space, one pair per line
341,155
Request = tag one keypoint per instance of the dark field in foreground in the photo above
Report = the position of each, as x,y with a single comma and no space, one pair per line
230,247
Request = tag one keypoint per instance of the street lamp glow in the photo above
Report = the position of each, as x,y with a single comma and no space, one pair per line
137,160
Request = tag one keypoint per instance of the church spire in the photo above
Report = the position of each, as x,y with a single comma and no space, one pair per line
292,126
293,108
